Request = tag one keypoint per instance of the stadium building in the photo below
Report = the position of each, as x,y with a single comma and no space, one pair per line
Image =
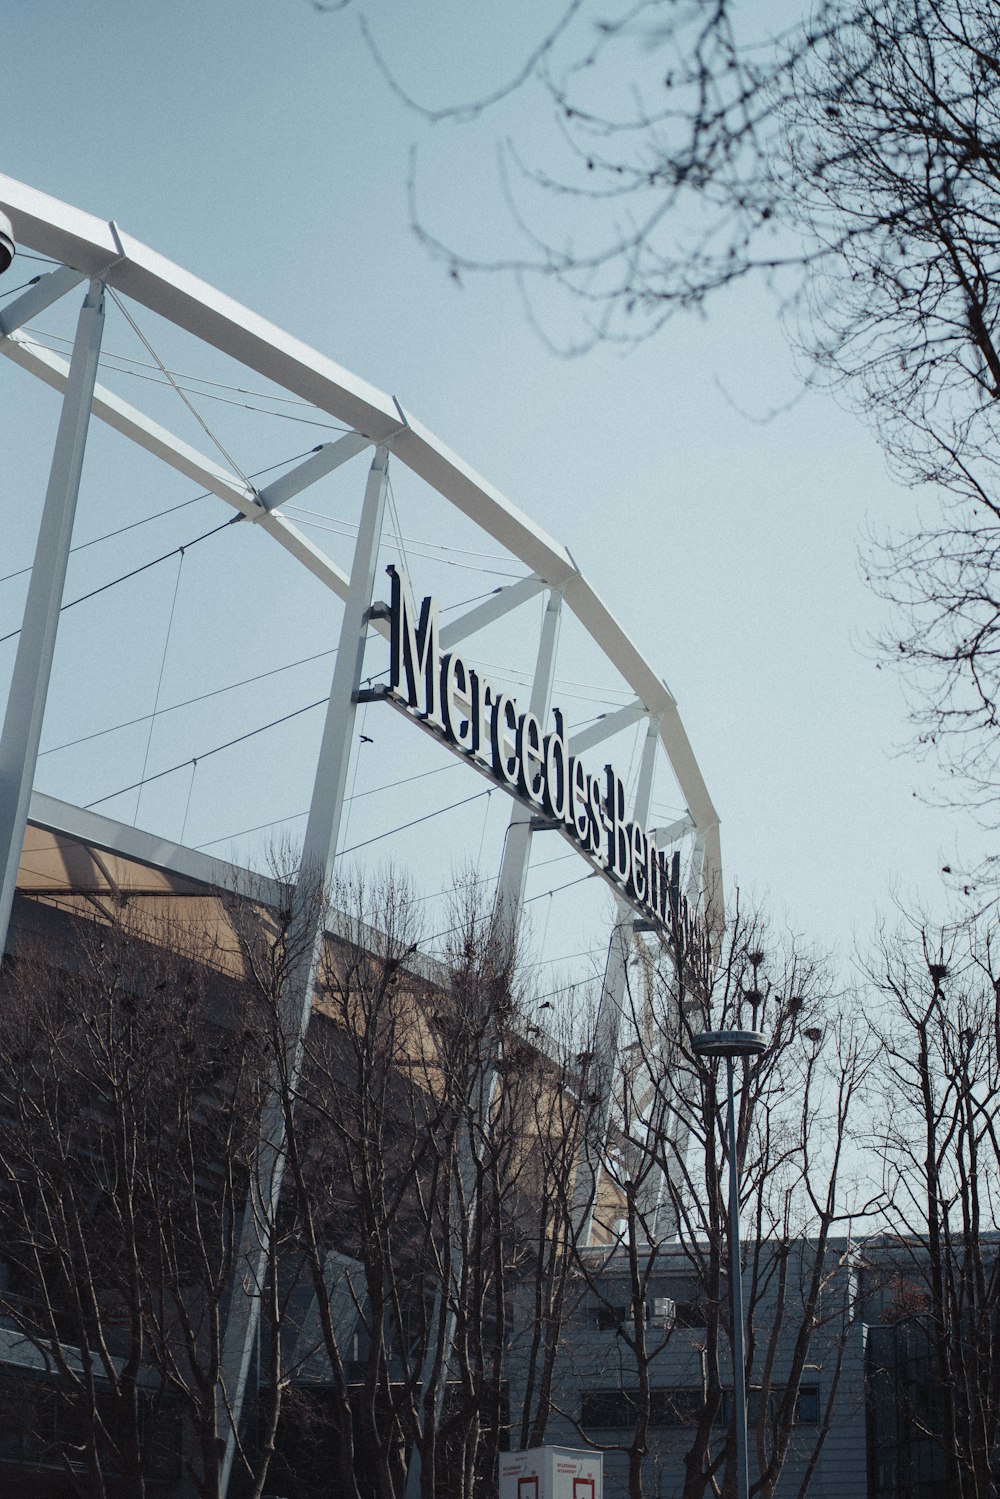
341,557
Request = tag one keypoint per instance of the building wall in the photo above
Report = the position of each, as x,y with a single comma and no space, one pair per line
598,1365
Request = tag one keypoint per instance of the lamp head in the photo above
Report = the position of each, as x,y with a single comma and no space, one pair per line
6,242
729,1043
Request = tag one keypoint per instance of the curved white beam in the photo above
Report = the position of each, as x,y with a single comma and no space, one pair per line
95,247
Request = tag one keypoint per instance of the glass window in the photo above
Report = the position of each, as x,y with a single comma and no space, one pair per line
616,1410
608,1410
690,1314
610,1318
807,1405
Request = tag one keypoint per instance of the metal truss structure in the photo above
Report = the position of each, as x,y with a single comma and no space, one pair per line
93,256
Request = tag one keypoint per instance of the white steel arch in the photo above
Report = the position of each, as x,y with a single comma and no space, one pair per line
94,248
89,250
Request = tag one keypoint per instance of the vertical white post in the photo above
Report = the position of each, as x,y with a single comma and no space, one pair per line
22,726
319,846
607,1037
694,893
658,1211
517,845
509,897
305,939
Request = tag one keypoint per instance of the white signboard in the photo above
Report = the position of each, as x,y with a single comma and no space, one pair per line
551,1473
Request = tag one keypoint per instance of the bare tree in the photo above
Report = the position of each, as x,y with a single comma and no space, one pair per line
422,1146
891,143
667,117
851,161
941,1157
666,1219
561,1110
131,1081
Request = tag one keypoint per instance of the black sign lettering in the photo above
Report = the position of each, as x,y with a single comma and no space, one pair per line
456,703
619,853
531,758
504,719
480,720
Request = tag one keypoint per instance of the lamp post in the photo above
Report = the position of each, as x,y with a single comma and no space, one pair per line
733,1044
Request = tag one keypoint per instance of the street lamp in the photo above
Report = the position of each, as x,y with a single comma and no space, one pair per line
733,1044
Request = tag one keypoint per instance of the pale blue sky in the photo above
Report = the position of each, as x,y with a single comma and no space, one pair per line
256,145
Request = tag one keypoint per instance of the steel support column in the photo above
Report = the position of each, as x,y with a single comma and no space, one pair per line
319,846
517,844
22,726
607,1037
658,1213
694,893
509,896
305,939
607,1034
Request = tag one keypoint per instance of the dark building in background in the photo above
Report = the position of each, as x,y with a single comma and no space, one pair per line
904,1427
867,1413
